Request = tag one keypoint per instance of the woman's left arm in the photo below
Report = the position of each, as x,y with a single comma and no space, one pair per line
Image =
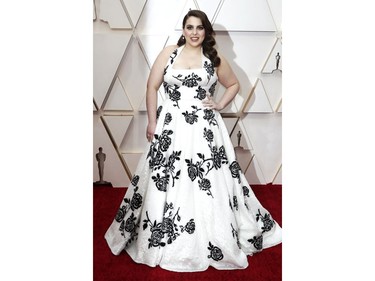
228,79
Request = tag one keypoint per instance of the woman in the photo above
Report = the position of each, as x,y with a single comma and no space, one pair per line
189,205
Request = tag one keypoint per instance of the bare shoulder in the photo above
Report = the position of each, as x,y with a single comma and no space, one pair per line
167,51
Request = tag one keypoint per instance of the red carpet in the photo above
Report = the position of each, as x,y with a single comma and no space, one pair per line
264,266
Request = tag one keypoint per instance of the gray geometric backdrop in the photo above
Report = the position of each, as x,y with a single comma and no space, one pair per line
129,34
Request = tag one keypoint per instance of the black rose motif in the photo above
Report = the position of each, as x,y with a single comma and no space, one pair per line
193,172
212,88
161,182
257,242
135,180
204,184
190,81
235,170
172,91
235,202
215,253
156,237
136,201
156,159
209,68
175,95
158,112
130,224
190,118
208,134
167,226
168,118
209,115
222,154
246,191
190,227
268,222
165,141
216,157
120,214
201,93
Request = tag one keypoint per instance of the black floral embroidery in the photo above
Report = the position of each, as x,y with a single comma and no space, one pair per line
246,191
257,242
168,118
158,160
212,88
168,228
202,167
189,81
268,223
235,169
194,170
209,115
189,227
158,112
209,67
172,91
129,225
173,56
235,235
161,182
192,117
215,252
135,180
205,185
208,135
201,93
235,203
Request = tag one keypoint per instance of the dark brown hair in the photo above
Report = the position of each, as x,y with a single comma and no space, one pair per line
209,41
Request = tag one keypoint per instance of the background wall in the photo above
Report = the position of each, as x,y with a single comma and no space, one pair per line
129,34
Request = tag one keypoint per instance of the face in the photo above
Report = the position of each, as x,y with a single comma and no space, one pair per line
194,31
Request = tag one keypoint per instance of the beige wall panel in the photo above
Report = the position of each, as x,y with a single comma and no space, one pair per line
118,126
160,16
151,46
243,157
264,131
132,160
133,73
272,84
210,7
246,57
280,106
118,100
254,173
135,137
276,11
112,11
245,15
108,50
230,123
258,100
134,9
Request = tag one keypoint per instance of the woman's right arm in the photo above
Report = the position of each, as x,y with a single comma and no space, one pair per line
154,82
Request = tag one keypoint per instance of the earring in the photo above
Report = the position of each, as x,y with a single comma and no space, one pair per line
183,37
